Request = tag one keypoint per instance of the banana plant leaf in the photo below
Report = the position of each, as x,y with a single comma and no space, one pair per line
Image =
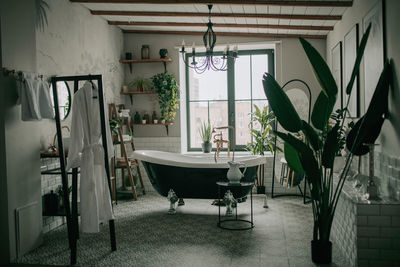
321,70
357,63
292,158
368,127
280,103
312,136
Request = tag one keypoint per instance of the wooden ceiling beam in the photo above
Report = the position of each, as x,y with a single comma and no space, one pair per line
226,25
214,15
243,34
227,2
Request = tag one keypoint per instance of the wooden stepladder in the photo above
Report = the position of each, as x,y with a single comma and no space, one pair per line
127,162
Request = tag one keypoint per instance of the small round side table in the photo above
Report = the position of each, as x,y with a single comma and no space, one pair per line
229,186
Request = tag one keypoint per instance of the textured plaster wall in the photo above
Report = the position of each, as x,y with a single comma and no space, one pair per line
78,43
291,62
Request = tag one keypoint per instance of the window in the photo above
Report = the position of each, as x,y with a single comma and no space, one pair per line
227,98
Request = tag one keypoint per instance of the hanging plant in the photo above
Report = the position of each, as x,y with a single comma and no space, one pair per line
167,89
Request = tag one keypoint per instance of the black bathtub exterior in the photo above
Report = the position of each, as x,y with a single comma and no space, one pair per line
194,182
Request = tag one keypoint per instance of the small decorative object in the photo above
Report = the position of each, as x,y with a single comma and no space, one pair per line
234,174
168,92
140,84
145,52
128,55
162,121
154,117
50,202
205,132
163,53
136,117
315,156
372,190
60,194
124,88
172,198
230,203
146,117
114,126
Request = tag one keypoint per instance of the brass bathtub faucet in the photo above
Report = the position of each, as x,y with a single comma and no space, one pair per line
219,141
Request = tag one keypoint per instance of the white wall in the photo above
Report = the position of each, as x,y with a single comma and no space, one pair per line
291,62
390,135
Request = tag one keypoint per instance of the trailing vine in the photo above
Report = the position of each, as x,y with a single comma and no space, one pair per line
168,94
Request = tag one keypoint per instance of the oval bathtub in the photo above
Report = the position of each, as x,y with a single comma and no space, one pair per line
193,176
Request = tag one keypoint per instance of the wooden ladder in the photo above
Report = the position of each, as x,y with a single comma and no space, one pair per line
127,163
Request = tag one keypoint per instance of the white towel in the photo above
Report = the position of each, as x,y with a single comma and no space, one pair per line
34,98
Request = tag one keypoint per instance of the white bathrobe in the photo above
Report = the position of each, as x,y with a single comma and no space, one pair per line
86,151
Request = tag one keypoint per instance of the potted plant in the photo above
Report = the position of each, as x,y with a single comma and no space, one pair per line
168,93
205,132
114,126
140,84
262,139
315,156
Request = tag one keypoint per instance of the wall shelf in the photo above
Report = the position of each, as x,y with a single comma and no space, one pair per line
149,92
150,60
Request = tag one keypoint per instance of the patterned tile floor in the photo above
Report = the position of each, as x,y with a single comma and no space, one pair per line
147,236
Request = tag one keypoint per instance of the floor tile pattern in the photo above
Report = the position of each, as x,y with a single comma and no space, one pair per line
148,236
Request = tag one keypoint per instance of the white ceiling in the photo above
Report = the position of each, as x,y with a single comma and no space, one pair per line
247,25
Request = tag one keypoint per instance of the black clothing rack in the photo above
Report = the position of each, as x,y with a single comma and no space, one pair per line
72,215
302,194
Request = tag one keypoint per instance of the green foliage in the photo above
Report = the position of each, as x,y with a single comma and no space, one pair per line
205,132
263,138
315,156
114,126
139,84
168,94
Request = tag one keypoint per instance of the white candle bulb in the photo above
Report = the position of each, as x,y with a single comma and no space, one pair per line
183,42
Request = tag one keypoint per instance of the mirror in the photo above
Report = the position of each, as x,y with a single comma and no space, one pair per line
300,102
64,99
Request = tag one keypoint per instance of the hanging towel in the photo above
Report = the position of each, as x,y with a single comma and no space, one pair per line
34,97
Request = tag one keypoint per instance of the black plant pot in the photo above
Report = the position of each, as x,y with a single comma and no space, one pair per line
321,251
261,189
206,147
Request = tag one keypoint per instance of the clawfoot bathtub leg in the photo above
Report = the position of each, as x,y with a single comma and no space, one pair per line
181,202
172,200
230,202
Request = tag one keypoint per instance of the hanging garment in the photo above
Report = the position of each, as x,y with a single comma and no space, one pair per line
34,97
86,150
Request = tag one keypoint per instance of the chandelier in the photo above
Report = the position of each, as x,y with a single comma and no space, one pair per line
210,60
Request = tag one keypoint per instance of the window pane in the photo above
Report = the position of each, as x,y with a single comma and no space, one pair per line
199,113
210,85
243,109
259,67
242,78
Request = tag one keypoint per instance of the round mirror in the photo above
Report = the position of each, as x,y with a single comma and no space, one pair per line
64,99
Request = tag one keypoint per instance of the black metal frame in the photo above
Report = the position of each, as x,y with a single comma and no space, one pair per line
220,222
302,193
72,219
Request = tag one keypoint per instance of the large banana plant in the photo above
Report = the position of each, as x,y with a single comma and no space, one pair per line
315,156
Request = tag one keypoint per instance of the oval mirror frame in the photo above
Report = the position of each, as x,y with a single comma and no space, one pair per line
65,108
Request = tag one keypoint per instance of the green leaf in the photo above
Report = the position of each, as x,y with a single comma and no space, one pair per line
292,158
368,127
281,105
330,147
321,112
312,136
357,63
321,69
